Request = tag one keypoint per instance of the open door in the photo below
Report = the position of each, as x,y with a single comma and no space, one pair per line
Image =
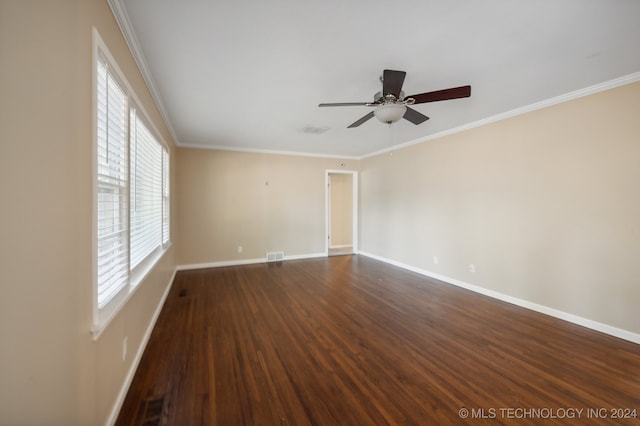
341,212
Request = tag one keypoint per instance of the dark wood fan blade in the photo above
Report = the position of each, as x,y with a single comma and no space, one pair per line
442,95
414,116
392,82
362,120
344,104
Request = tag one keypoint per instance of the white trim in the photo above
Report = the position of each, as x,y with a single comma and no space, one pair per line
220,264
268,151
120,301
575,319
120,14
241,262
354,195
122,19
327,212
591,90
101,47
103,317
305,256
95,312
340,246
115,410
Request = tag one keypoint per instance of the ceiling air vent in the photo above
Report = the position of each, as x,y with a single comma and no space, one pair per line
315,130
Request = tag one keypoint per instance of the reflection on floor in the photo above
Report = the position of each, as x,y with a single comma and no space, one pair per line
340,251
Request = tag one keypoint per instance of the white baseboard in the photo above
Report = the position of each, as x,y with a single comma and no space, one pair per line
585,322
594,325
113,416
305,256
240,262
220,264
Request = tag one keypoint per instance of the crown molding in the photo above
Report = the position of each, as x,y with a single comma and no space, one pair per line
122,19
268,151
591,90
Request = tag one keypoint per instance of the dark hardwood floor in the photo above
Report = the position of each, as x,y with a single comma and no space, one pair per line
351,341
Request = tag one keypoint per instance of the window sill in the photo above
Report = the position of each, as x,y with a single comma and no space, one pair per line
109,312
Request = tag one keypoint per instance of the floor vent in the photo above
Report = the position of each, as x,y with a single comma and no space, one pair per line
275,256
155,412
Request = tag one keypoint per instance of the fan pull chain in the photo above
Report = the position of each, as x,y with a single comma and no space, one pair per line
392,134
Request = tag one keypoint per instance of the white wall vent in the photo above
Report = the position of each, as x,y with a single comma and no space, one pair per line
275,256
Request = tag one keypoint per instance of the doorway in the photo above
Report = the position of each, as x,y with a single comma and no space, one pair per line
341,212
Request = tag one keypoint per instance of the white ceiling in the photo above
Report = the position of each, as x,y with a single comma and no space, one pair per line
249,74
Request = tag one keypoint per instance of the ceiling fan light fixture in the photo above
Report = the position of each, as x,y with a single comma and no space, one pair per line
390,113
391,104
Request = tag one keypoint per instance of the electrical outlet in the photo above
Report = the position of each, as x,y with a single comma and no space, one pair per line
472,267
239,249
124,348
435,260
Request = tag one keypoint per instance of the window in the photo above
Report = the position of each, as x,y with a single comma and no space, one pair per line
165,196
112,175
131,191
146,191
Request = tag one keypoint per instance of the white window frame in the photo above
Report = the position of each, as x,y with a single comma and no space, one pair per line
103,315
112,187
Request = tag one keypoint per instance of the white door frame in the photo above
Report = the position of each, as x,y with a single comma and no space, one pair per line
327,206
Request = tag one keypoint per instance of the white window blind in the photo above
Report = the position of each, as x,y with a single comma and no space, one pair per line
146,217
131,171
165,196
112,257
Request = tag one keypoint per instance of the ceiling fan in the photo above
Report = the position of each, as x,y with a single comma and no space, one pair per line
391,104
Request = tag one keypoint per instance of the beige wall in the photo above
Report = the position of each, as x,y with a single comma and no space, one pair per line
341,204
51,371
262,202
546,205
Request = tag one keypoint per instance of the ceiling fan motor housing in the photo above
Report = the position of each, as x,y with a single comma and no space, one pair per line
389,97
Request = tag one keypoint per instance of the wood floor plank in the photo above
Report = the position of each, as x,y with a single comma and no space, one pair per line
348,340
